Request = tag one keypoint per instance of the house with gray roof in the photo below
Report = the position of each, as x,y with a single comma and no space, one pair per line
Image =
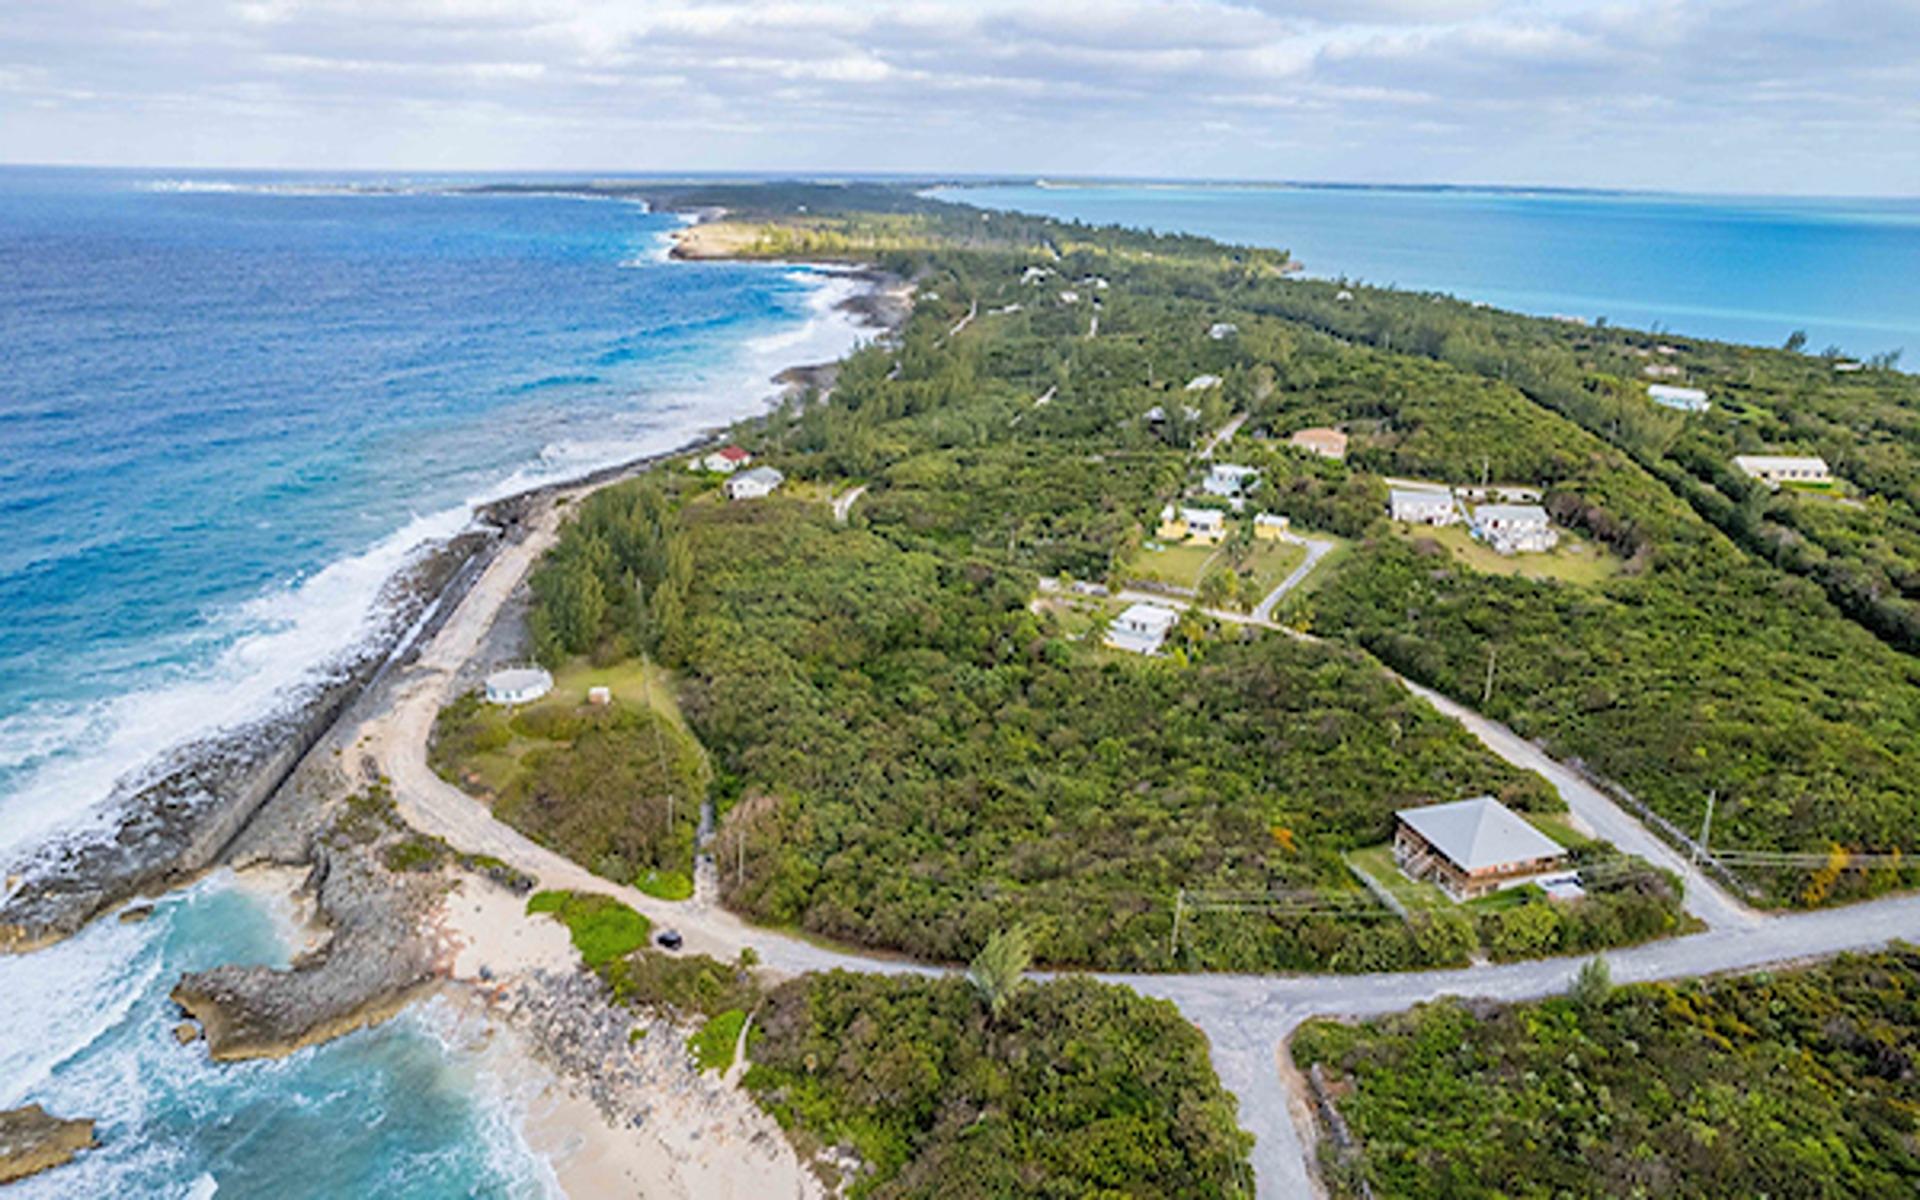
754,484
1472,847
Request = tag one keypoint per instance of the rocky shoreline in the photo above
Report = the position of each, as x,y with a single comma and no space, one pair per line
174,821
292,791
32,1141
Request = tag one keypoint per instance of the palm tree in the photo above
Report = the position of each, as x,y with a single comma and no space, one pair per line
1001,967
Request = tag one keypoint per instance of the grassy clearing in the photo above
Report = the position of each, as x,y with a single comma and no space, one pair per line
1574,561
1377,861
1179,565
602,928
712,1047
1270,562
616,787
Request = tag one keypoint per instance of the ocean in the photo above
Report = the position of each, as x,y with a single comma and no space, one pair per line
231,408
1734,268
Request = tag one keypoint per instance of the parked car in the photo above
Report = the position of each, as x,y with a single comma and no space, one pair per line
669,939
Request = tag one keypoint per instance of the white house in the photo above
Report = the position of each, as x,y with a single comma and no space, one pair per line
1270,526
752,485
1514,528
518,685
1423,506
1142,628
1201,383
1157,414
1220,331
1776,469
1229,480
1685,399
726,460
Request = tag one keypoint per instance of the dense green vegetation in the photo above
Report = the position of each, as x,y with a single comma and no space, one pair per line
603,929
908,757
1074,1089
1797,1084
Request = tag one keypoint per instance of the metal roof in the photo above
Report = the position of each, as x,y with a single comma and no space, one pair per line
1479,833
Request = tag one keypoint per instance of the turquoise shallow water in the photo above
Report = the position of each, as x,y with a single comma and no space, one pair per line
230,409
1746,269
406,1109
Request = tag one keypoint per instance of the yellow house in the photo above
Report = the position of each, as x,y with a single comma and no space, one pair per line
1269,527
1204,526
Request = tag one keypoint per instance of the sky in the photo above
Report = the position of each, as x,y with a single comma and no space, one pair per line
1783,96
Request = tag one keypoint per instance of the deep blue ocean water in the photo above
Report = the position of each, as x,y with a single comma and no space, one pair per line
1743,269
230,409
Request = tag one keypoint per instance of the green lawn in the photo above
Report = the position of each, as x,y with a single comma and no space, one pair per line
1178,565
1575,560
1377,861
665,885
713,1046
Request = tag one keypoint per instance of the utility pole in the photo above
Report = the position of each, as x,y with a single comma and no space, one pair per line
1486,693
1179,904
1706,827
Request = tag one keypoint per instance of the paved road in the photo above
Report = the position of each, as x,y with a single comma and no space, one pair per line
1246,1018
1316,550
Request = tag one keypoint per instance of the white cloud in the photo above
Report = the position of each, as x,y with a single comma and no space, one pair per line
1552,91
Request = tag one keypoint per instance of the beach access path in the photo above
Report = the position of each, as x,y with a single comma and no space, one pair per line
1247,1019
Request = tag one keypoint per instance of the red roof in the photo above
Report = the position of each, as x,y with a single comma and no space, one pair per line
734,454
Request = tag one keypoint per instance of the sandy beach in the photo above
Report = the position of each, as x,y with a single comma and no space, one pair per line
620,1109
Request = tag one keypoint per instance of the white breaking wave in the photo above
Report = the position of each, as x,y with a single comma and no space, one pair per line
62,999
279,645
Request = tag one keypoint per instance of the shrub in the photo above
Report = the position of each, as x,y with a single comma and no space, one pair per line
712,1047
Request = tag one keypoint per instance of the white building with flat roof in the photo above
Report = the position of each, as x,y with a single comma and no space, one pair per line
1142,628
1423,506
518,685
1776,469
1229,480
1683,399
1514,528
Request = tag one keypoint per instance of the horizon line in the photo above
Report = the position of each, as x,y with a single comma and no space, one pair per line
1064,181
